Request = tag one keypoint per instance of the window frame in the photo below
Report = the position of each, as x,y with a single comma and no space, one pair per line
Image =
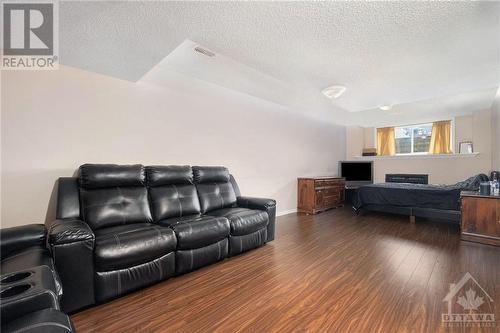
412,138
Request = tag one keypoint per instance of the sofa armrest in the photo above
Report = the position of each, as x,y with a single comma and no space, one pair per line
69,231
71,242
18,238
256,203
268,205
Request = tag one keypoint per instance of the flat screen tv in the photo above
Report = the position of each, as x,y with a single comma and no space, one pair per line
356,173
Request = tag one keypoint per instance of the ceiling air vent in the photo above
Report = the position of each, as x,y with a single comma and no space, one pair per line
204,51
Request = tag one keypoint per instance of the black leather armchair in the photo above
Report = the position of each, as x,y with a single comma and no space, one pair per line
122,227
30,287
23,247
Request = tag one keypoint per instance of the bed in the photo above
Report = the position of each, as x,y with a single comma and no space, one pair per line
416,200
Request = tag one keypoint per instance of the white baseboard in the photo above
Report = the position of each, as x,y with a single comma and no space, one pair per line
285,212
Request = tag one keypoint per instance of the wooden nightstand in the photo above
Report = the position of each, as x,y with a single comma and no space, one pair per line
480,218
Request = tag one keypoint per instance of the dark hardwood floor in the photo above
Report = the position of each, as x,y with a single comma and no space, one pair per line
333,272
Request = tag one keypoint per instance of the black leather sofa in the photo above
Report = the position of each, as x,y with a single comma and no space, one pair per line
29,284
123,227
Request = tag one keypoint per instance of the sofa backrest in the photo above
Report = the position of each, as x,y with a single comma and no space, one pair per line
214,187
171,191
113,195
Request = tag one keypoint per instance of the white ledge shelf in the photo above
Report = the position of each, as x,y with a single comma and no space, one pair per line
399,157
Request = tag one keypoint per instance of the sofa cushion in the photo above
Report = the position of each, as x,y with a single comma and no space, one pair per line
215,190
243,221
158,175
94,176
174,201
210,174
108,207
130,245
171,192
196,231
215,196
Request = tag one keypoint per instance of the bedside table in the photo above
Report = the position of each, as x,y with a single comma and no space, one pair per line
480,218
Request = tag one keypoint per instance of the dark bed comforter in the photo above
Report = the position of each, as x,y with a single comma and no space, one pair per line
446,197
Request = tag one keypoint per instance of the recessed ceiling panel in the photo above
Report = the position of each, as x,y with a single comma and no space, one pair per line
218,69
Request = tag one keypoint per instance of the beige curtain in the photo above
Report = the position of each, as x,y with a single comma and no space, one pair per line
440,138
386,143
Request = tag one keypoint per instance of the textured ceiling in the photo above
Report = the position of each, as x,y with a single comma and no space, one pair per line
384,52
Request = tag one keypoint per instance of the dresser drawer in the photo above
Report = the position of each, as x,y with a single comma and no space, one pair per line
327,198
329,191
331,201
329,183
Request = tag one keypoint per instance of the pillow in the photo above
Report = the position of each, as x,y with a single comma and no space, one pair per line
472,183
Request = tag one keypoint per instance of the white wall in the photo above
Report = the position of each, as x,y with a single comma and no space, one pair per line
355,141
441,170
54,121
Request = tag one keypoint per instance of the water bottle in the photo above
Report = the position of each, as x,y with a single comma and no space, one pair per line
495,189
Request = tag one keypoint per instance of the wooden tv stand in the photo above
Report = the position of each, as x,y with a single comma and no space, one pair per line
317,194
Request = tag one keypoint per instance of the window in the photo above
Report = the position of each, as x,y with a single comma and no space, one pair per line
433,138
413,139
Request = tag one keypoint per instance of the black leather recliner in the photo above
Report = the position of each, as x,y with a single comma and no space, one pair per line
201,240
248,225
23,247
29,284
122,227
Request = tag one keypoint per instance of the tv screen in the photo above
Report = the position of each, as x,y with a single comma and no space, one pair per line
356,171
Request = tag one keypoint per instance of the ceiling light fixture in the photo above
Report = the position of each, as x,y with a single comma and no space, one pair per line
334,91
385,107
204,51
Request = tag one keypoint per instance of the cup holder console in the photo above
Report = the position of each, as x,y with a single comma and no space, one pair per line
15,277
14,290
27,291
